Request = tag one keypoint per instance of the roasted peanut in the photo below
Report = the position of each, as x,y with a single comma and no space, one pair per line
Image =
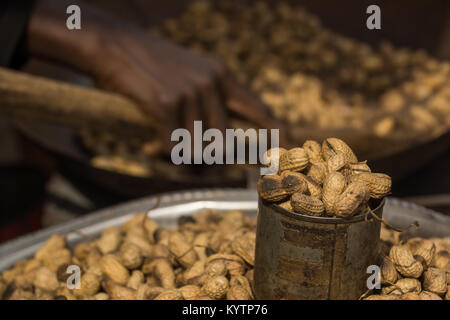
181,249
435,280
270,188
352,200
295,159
130,256
113,269
110,240
404,262
216,287
307,205
333,186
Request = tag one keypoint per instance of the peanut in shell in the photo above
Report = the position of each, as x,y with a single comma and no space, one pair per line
89,285
314,150
140,241
441,260
181,249
314,189
114,269
200,244
55,242
82,250
238,293
216,287
317,171
272,156
435,280
422,247
191,292
403,286
136,279
55,259
330,147
410,296
295,159
360,167
293,182
146,292
171,294
244,246
333,186
336,162
270,188
193,274
130,255
216,268
307,205
242,281
110,240
45,279
352,200
427,295
379,184
388,272
118,292
234,264
404,262
162,270
101,296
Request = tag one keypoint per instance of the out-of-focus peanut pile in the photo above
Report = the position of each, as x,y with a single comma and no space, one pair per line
306,73
132,156
322,180
209,256
413,269
312,76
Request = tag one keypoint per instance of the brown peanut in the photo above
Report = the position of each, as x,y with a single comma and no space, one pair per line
352,200
333,187
270,188
295,159
113,269
379,184
307,205
404,262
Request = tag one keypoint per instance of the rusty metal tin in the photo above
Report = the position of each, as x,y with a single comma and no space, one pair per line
304,257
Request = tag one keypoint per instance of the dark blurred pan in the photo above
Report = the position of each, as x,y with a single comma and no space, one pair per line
62,144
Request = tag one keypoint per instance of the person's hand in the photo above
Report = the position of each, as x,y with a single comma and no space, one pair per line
173,85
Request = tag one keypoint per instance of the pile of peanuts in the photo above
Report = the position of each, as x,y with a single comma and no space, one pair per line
312,76
413,269
307,74
111,152
322,180
209,256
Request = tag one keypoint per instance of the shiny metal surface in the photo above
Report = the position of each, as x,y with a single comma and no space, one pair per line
173,205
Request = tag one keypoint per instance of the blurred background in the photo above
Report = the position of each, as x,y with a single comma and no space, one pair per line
314,63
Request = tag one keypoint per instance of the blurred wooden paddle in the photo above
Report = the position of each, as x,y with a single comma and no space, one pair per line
41,99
